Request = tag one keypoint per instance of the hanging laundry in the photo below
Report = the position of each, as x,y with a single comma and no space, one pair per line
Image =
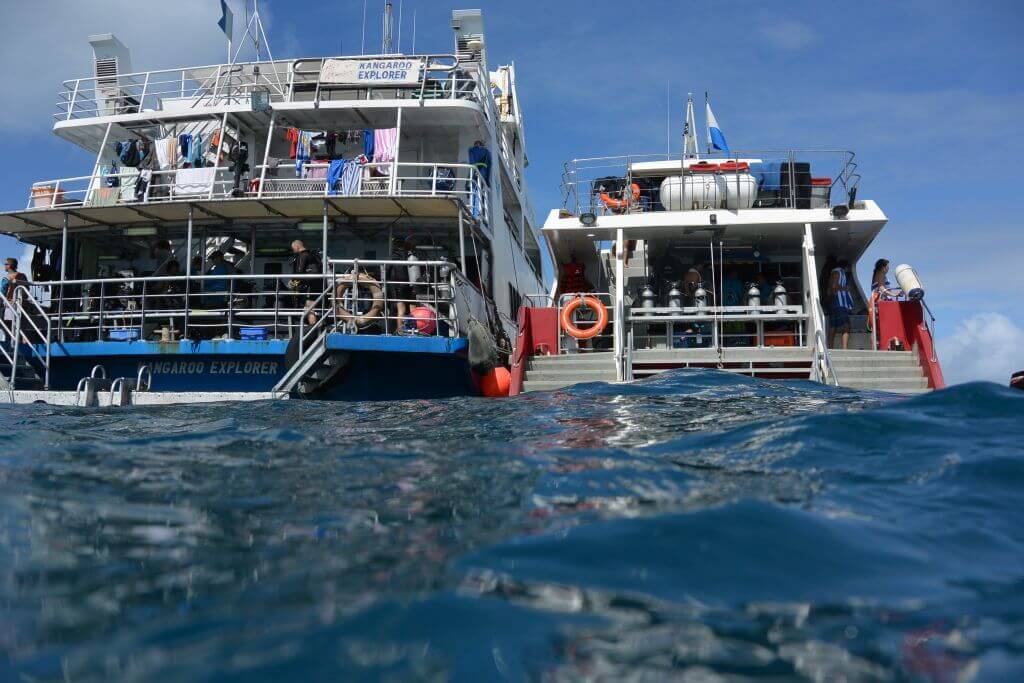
385,143
368,143
332,144
129,179
348,186
160,149
334,173
315,172
292,136
184,146
196,152
110,177
142,185
303,149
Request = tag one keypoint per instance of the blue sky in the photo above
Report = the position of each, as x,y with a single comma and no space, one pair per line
930,95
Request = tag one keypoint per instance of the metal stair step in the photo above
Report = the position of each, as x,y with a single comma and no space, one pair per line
886,384
571,376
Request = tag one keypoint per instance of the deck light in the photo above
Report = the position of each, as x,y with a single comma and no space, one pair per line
312,226
714,219
140,231
840,211
588,219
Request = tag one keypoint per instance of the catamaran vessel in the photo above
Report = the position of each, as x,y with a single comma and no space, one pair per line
349,227
724,260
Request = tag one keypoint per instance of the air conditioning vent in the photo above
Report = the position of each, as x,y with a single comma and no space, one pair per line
106,71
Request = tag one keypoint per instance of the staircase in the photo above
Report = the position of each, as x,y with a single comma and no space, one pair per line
26,378
896,371
555,372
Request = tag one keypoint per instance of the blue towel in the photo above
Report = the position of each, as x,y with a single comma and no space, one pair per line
334,172
368,143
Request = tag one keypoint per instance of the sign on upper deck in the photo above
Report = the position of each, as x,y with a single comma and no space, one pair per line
371,71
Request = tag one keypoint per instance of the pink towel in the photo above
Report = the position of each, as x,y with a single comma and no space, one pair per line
385,144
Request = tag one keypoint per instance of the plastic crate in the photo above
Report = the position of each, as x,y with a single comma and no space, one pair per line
124,334
253,333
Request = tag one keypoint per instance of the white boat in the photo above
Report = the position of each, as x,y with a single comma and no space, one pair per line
406,184
717,261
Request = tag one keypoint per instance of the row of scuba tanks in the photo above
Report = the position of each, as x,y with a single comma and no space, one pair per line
675,297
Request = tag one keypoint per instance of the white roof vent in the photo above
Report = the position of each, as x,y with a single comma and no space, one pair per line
110,58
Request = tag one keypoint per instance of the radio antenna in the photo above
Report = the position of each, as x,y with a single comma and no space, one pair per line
362,45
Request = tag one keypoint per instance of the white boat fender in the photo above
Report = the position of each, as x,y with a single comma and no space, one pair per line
483,351
909,282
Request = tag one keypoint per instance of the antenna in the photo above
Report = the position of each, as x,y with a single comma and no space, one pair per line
362,45
400,3
386,29
668,119
413,32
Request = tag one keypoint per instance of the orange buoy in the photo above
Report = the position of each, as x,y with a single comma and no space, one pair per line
426,319
591,302
496,383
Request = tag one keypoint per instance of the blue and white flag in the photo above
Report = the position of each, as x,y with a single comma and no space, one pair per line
226,19
716,139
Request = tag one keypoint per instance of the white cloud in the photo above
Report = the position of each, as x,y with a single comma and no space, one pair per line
787,34
986,346
46,43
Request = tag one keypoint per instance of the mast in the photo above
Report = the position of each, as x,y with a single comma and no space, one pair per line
386,32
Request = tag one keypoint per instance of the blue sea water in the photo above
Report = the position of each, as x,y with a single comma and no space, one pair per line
697,526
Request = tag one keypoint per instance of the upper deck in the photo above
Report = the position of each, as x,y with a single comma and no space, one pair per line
309,90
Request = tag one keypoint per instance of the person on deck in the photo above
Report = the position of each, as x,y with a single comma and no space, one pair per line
305,262
8,288
840,304
219,267
480,157
880,282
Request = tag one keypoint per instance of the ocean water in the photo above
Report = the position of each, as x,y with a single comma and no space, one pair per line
697,527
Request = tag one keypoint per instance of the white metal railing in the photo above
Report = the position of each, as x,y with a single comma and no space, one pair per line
719,326
22,332
390,179
631,183
297,80
174,307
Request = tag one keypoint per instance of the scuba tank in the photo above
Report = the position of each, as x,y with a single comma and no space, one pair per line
700,298
780,297
675,297
414,271
753,295
647,297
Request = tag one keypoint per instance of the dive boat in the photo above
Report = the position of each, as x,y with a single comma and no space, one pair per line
335,227
730,260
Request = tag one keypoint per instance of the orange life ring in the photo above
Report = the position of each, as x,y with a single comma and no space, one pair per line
597,328
619,205
376,294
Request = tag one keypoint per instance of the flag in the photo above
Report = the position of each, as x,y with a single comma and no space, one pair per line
716,139
226,18
690,131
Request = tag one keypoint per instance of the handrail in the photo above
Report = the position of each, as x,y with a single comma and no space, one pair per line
824,370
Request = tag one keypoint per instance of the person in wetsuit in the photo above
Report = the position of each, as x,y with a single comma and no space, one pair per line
305,262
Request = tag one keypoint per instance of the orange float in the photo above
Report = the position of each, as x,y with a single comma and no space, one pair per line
597,328
620,205
496,383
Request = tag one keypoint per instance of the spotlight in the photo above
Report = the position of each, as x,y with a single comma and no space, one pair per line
840,211
714,219
588,219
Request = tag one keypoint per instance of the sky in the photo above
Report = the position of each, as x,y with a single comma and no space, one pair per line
928,94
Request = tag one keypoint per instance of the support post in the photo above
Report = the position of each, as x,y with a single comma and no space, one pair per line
620,307
96,167
266,154
220,148
188,271
462,243
323,246
393,189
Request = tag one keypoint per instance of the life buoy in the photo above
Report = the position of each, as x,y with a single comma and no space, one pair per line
620,205
364,319
591,302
